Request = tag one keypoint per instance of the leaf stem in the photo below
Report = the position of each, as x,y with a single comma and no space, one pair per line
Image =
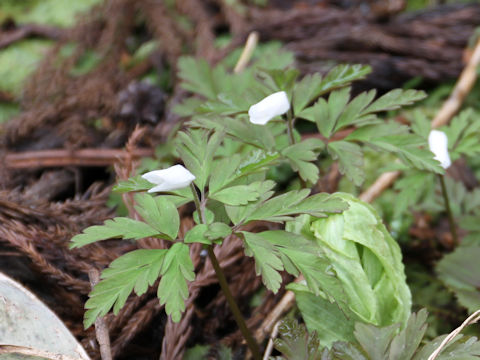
251,343
451,220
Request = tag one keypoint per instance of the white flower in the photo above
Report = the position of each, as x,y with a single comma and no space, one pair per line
438,143
172,178
265,110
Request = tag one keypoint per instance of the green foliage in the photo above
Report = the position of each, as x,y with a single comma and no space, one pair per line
296,343
275,251
134,271
159,213
48,12
367,264
176,270
459,270
18,61
197,148
119,227
375,343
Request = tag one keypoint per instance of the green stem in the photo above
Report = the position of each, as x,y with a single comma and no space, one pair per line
290,127
453,228
251,343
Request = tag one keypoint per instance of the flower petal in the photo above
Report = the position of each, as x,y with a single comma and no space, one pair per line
438,143
265,110
173,178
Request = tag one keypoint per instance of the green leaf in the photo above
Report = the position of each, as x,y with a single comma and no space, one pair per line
238,195
409,148
136,183
218,230
197,235
305,91
350,159
134,271
394,100
375,341
295,343
460,271
267,259
405,344
367,261
460,348
300,156
342,75
197,148
120,227
177,269
332,321
159,213
197,77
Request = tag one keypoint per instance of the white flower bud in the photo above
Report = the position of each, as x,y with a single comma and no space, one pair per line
438,143
265,110
172,178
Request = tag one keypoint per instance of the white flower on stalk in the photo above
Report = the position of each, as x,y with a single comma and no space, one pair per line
265,110
438,143
173,178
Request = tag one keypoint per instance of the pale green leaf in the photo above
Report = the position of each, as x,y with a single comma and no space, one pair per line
120,227
177,270
160,213
197,235
134,271
350,159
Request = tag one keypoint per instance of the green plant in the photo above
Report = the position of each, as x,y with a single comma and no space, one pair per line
228,157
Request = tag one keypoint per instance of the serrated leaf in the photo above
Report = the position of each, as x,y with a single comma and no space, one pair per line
405,344
460,271
267,259
460,348
394,99
159,213
197,76
305,91
350,160
409,148
197,148
177,269
120,227
134,271
238,195
295,343
136,183
218,230
301,154
197,235
342,75
375,341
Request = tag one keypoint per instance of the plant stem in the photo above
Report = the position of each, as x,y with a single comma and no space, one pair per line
251,343
290,121
451,220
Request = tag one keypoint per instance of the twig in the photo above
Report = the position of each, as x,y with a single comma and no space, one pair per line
101,328
472,319
383,182
269,348
25,31
247,52
62,157
462,88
